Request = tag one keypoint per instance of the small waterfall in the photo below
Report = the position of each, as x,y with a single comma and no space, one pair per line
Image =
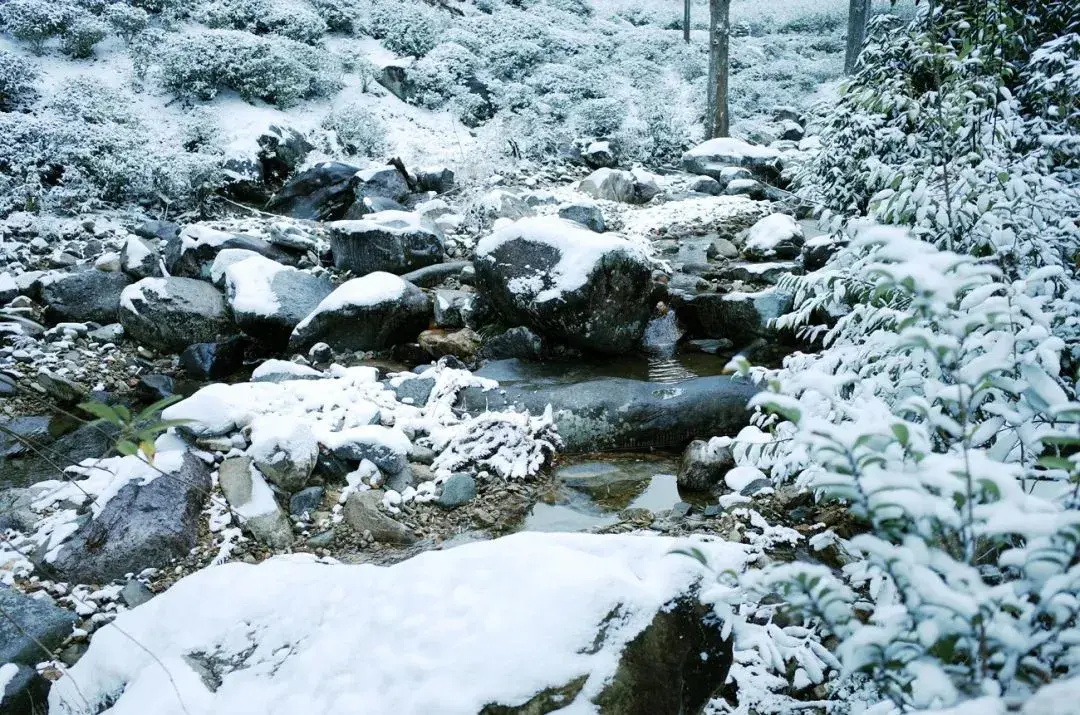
659,342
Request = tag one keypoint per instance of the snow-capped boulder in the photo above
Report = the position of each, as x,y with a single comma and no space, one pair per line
369,313
385,447
284,451
322,193
519,624
703,465
391,241
252,500
151,520
600,155
817,250
567,282
503,203
192,253
707,185
752,188
739,317
587,213
171,313
713,156
282,150
618,185
775,236
283,371
385,182
140,257
268,299
83,297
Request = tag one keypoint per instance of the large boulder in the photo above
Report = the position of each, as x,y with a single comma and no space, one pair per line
281,152
253,502
31,629
84,297
374,312
523,625
322,193
268,299
739,317
714,156
775,236
391,241
171,313
385,182
621,414
618,185
147,523
562,280
587,213
192,253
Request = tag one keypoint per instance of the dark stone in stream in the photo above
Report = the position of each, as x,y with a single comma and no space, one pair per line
213,361
620,414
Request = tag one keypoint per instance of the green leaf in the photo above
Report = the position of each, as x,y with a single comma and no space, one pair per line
158,406
101,411
694,553
1057,463
123,413
903,435
147,448
126,447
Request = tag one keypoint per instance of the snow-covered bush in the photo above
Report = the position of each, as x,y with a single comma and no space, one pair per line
339,15
406,28
359,130
36,21
512,59
80,37
126,20
443,73
297,21
599,117
18,81
274,69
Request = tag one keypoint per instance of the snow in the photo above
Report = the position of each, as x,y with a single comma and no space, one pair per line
225,258
277,370
8,671
262,498
134,292
397,222
196,235
446,631
765,235
387,437
249,285
739,478
372,289
271,435
136,250
729,148
579,251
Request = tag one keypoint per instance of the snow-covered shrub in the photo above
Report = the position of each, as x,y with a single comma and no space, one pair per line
339,15
406,28
297,21
18,81
599,117
512,59
359,130
89,100
566,80
80,37
35,21
817,23
661,125
443,73
274,69
126,20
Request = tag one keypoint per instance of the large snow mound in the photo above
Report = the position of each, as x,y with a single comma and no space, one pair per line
445,632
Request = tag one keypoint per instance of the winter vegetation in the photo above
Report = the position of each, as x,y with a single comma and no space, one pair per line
321,319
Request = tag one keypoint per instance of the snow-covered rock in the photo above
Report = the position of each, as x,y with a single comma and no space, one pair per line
775,236
737,316
439,179
713,156
83,297
385,447
608,622
140,257
225,258
172,313
252,500
284,451
322,193
391,241
567,282
283,370
192,253
703,465
587,213
268,299
369,313
599,155
385,182
362,513
618,185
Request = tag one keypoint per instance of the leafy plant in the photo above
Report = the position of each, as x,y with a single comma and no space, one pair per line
138,431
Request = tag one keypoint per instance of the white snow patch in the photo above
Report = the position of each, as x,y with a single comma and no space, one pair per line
372,289
248,283
733,149
765,235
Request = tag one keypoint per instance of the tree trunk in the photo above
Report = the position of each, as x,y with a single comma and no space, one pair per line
858,14
686,21
719,37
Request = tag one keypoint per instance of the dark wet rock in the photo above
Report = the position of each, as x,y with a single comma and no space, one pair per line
26,693
616,413
586,213
739,317
519,342
392,241
385,182
21,434
701,467
516,271
322,193
143,525
213,361
192,253
415,390
758,485
818,250
281,152
60,389
369,313
155,386
439,179
306,500
362,513
171,313
83,297
268,300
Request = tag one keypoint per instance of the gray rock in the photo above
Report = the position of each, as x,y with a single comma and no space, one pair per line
39,620
452,308
502,203
306,500
458,489
365,314
463,344
519,342
606,314
268,300
616,413
171,313
681,509
281,152
157,230
385,182
617,185
707,185
414,390
702,468
111,333
391,241
140,258
599,155
362,513
250,497
433,275
374,444
84,297
89,441
586,213
745,187
756,486
15,511
135,593
715,155
396,80
322,193
192,253
144,525
740,317
435,178
61,389
213,361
